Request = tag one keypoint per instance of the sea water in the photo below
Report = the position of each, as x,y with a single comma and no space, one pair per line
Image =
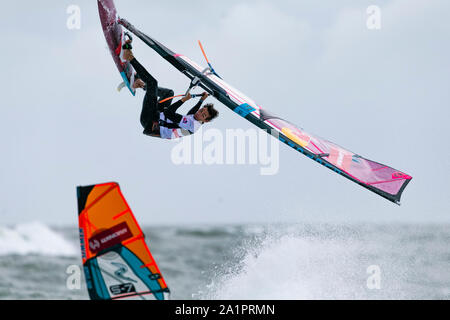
296,261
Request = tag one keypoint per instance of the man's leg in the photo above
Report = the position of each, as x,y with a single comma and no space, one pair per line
164,93
149,112
150,106
143,73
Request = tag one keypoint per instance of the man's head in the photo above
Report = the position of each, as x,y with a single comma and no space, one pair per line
206,114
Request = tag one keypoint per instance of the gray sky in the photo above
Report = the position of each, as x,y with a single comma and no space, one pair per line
383,94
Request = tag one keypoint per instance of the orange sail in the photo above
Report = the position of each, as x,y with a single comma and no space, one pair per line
116,260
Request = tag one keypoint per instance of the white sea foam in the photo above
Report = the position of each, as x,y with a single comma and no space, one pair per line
295,266
34,238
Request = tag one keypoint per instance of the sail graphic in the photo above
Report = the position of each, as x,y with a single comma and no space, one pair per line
116,260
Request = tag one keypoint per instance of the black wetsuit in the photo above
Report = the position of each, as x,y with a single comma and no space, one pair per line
151,108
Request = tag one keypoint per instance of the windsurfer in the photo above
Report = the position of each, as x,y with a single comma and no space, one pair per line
161,119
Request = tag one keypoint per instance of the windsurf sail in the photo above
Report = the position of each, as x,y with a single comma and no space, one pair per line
116,260
379,178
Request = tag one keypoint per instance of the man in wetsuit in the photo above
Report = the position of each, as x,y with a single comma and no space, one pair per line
161,119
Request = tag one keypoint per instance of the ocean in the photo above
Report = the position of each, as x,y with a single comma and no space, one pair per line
276,261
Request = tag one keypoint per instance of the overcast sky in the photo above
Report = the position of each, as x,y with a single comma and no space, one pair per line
383,94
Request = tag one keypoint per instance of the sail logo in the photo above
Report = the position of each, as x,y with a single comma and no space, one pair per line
109,237
94,245
400,175
244,109
122,288
121,271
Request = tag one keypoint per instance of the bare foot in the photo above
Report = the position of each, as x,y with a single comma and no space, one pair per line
138,83
127,53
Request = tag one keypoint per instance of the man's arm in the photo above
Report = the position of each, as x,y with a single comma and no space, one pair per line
170,112
199,104
196,107
174,107
140,70
173,116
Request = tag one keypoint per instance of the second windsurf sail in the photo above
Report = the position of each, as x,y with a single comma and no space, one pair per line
116,260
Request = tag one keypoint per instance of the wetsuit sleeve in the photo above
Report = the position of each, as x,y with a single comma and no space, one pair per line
174,106
176,117
171,114
196,107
